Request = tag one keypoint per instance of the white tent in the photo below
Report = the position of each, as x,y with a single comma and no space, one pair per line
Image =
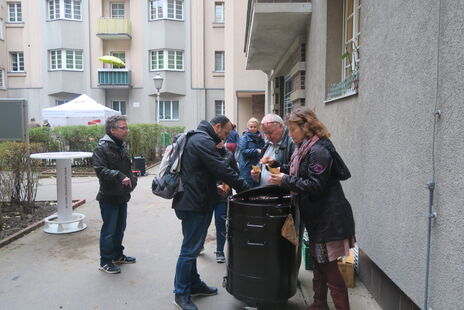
80,111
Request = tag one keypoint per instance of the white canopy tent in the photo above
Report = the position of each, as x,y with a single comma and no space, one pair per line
80,111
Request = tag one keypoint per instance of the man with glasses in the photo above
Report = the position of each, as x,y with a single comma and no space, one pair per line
279,146
112,164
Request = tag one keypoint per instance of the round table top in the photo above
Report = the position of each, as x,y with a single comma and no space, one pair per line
61,155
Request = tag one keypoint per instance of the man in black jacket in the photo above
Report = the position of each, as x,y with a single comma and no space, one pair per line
202,166
112,164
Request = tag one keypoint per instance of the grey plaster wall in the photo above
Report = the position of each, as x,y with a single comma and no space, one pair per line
385,133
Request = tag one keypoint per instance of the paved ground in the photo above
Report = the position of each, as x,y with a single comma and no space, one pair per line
43,271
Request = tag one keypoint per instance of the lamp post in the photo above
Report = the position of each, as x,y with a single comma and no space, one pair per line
158,79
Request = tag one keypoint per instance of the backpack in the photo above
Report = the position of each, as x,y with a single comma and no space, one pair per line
168,183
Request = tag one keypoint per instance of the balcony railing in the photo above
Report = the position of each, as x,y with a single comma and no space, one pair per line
113,28
114,78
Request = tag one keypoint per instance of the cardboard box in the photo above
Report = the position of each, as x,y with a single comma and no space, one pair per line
346,267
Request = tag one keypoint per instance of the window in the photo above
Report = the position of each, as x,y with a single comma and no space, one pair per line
64,9
15,12
219,61
120,55
17,61
117,10
119,106
351,35
66,60
60,101
288,90
1,29
168,9
175,60
219,12
2,78
168,110
219,107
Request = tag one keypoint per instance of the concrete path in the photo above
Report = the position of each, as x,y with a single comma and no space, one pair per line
43,271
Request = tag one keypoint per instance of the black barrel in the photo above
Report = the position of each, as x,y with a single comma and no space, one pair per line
262,266
139,164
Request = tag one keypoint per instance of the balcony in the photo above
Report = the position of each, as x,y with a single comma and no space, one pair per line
113,28
272,26
114,78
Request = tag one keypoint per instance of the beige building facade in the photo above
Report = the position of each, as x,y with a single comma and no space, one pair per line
49,52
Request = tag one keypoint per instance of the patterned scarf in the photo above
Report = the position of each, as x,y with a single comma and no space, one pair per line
299,153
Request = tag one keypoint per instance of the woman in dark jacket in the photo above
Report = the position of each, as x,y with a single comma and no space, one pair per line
250,146
314,180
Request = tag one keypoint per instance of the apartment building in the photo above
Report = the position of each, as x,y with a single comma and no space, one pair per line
49,52
386,79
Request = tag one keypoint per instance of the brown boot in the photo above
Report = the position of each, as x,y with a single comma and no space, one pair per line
320,290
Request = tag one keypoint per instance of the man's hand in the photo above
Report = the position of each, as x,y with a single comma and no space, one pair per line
276,178
127,182
255,174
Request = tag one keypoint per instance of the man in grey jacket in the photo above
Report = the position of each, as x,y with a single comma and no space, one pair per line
112,164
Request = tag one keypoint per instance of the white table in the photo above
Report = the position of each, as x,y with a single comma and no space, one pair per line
65,221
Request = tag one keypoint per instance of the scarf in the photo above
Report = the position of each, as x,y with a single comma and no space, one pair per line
299,153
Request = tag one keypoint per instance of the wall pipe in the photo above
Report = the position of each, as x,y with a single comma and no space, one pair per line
432,215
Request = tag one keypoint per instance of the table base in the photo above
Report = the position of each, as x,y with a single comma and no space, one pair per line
54,226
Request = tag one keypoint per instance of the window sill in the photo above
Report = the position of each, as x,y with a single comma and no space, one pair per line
170,70
14,73
14,25
218,25
169,120
65,19
218,73
67,70
172,19
352,93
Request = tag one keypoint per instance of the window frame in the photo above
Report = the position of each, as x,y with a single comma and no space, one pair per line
18,57
222,107
123,10
165,60
351,59
59,12
118,54
221,5
163,11
2,79
18,13
61,101
171,104
120,104
61,60
221,63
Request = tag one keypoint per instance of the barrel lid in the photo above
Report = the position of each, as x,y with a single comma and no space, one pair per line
262,191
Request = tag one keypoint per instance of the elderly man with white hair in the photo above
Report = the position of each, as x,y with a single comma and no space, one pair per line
279,145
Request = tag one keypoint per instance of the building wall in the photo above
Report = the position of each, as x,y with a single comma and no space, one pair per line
385,135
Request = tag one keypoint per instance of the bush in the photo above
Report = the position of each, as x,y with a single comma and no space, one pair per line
19,175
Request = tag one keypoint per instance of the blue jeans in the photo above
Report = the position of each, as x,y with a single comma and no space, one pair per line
114,223
194,226
220,212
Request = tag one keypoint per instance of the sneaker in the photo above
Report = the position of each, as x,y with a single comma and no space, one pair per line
125,260
110,268
184,302
203,290
220,258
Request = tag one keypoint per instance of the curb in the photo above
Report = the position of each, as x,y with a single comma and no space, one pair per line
32,227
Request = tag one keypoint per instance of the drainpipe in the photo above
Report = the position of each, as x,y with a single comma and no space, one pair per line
432,215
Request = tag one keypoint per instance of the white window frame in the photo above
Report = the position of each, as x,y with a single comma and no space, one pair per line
17,12
2,78
58,60
121,55
60,101
219,61
18,58
1,29
171,104
222,107
119,105
64,9
351,42
166,9
167,59
219,12
117,9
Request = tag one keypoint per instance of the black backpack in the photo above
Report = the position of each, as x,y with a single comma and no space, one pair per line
168,183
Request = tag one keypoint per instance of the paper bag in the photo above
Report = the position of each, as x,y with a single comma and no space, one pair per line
289,230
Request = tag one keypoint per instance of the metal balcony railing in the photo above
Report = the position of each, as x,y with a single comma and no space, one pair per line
114,78
113,28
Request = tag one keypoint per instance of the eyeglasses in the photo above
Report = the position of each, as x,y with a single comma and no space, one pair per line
122,128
